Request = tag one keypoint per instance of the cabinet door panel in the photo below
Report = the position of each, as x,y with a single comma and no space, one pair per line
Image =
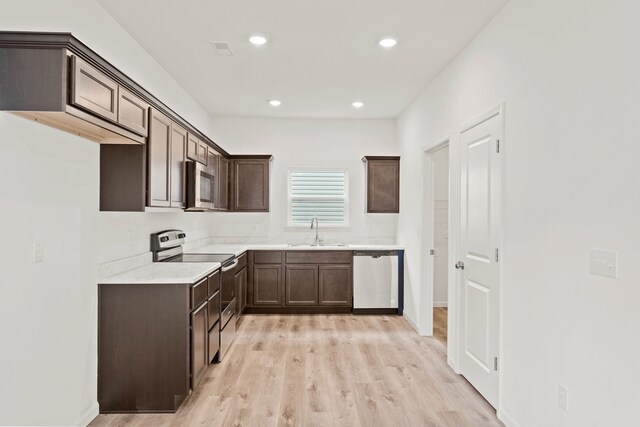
93,91
178,151
199,344
193,145
133,112
203,152
335,285
251,185
223,183
383,186
266,284
158,160
301,284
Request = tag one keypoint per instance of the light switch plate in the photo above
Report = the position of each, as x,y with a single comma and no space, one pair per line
604,263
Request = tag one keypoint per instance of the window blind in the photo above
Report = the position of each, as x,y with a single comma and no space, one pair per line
318,193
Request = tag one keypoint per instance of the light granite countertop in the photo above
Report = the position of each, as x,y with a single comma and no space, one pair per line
163,273
240,248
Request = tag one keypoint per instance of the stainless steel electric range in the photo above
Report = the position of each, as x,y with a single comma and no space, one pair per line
167,246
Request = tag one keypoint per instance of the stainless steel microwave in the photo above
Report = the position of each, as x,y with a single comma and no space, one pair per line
201,193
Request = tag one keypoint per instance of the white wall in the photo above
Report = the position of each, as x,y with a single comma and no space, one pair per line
49,183
568,73
308,143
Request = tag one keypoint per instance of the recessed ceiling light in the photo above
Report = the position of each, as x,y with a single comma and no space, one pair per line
275,102
358,104
388,42
258,40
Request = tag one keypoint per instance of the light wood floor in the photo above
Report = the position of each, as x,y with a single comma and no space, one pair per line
327,370
440,324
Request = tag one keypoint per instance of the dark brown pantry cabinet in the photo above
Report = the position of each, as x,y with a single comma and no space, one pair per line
383,184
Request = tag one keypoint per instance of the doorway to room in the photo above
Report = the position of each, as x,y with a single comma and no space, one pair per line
440,248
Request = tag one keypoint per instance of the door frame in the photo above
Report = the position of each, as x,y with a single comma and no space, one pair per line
425,319
427,243
497,110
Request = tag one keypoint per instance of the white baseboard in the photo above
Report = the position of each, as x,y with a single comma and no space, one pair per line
438,304
507,419
412,322
88,415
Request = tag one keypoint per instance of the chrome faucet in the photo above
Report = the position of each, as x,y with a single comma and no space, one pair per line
315,219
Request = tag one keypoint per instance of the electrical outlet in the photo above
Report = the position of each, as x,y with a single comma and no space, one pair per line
38,251
255,227
130,237
563,397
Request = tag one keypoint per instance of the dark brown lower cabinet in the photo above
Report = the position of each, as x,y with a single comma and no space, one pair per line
155,343
143,347
199,344
300,281
335,285
301,284
267,279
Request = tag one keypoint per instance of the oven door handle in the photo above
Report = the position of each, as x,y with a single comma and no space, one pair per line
232,266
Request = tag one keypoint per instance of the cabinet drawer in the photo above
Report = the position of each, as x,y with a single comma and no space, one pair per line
214,283
199,293
93,91
133,112
214,341
267,257
227,313
214,309
318,257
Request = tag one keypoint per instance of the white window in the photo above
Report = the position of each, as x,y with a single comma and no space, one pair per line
323,193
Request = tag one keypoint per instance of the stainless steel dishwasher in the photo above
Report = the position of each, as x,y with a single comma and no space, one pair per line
375,281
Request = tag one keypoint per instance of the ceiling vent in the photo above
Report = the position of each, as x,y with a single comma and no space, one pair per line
222,48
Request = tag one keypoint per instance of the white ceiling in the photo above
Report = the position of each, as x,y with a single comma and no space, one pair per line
321,56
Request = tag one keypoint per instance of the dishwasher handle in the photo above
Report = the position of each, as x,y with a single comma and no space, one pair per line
375,254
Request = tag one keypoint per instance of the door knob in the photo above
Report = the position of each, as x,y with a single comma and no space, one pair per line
460,265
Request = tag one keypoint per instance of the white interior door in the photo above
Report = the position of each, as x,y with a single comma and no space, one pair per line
479,243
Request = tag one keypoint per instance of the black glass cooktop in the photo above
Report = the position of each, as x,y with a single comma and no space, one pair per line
221,258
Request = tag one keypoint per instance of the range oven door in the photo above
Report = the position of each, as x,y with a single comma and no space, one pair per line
201,194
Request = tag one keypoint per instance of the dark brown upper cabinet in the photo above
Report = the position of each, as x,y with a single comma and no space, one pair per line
223,184
133,112
93,91
250,183
159,152
166,153
382,183
197,150
177,169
